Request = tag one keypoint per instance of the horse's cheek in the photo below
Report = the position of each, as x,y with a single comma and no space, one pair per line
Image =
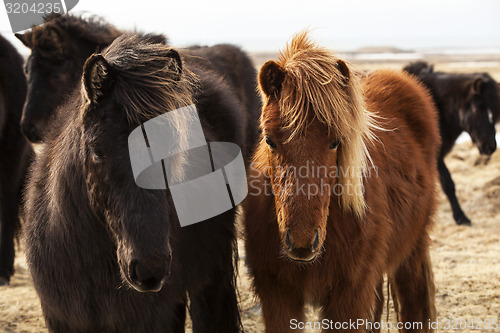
96,190
91,188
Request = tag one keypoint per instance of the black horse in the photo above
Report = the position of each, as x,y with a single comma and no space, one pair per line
15,153
466,102
59,49
94,239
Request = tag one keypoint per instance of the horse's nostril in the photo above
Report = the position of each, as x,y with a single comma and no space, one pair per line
315,241
288,240
144,273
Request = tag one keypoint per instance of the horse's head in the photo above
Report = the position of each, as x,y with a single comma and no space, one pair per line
123,87
419,68
59,49
313,144
478,112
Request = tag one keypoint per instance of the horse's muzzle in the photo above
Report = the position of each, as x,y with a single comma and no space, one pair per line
302,253
488,148
31,132
147,277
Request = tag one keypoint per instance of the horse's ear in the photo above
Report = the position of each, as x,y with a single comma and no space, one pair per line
174,64
344,70
271,77
98,77
156,38
50,17
25,39
428,69
477,85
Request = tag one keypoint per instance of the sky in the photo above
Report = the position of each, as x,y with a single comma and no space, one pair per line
266,25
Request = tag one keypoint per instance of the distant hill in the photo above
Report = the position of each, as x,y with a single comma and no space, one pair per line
380,49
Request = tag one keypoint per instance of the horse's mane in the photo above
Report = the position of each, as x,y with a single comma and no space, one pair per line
315,86
93,29
148,81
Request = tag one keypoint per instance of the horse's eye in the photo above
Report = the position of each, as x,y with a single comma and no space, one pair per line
98,155
334,144
270,142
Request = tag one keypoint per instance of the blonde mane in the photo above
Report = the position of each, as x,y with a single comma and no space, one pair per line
314,85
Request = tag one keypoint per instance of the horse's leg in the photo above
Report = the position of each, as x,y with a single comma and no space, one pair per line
379,306
214,308
282,304
449,189
179,320
351,308
414,286
9,222
56,326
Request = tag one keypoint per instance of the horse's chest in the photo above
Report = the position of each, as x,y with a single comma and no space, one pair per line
68,273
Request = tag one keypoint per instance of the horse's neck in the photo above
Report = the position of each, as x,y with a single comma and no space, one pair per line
66,187
74,228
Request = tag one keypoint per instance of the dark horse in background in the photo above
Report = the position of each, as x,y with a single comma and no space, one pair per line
15,153
59,49
466,102
94,239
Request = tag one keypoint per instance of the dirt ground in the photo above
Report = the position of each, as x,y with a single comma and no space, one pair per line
466,260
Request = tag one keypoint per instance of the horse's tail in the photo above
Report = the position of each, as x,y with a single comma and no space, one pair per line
431,290
392,291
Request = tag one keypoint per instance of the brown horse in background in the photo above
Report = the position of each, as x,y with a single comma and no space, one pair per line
369,146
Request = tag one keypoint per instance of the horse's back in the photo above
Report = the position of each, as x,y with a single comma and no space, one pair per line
404,105
230,69
234,65
229,60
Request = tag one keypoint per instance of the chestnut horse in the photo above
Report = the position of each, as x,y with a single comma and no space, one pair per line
342,190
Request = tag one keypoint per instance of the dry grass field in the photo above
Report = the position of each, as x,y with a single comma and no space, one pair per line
466,260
